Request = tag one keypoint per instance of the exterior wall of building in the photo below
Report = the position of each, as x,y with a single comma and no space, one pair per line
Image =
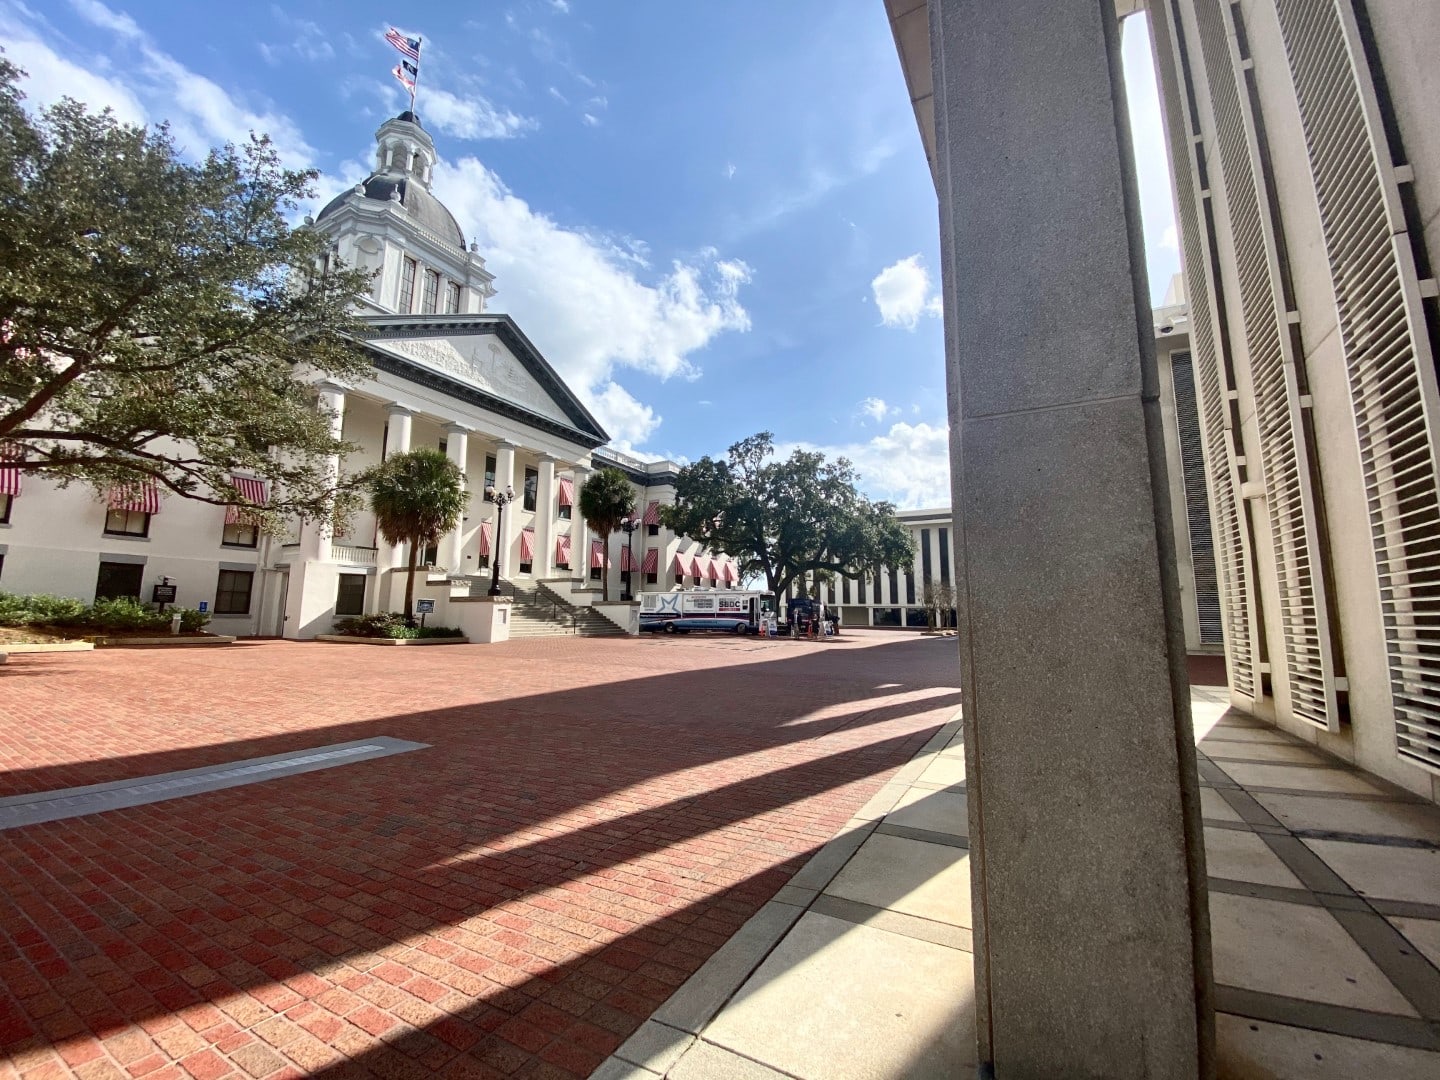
1308,180
895,599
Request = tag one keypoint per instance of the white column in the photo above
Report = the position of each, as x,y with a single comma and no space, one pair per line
579,532
544,565
505,478
316,534
397,441
457,449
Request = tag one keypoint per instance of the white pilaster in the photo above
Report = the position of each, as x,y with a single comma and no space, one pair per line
457,449
397,441
316,534
579,532
544,565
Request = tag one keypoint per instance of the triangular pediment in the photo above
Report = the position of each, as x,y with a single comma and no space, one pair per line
488,356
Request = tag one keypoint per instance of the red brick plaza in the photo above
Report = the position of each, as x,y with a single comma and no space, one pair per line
592,820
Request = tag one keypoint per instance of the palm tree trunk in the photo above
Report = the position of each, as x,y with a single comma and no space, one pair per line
410,581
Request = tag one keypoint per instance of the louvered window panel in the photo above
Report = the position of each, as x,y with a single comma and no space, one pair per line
1284,461
1197,504
1387,352
1233,560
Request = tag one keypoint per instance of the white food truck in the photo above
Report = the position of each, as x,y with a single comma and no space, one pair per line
738,611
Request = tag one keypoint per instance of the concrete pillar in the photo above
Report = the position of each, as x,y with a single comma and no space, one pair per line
544,565
579,531
1090,929
505,478
316,535
452,548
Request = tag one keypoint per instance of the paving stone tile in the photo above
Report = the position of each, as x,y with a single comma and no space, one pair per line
1301,778
1295,951
1214,807
1383,871
1244,856
806,1013
934,811
1354,816
1257,1050
926,880
1424,934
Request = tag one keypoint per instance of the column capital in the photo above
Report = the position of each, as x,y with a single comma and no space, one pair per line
455,428
329,386
547,459
394,408
507,444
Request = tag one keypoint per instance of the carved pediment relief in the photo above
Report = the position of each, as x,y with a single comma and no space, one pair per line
481,361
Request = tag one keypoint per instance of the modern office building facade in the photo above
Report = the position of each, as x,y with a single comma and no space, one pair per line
1306,157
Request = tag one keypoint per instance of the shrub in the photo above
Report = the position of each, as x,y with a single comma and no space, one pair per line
40,610
125,613
191,619
391,624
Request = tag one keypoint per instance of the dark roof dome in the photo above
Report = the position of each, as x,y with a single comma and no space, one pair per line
422,207
410,117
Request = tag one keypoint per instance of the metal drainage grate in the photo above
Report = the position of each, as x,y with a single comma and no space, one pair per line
20,810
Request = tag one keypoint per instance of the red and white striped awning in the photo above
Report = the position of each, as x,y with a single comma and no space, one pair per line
682,564
652,562
527,544
652,513
140,496
10,474
567,491
598,558
627,560
250,489
702,567
731,574
487,537
562,550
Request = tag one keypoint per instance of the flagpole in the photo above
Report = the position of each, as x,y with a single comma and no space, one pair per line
419,42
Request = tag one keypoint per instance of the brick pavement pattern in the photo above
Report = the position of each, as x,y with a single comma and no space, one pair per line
593,819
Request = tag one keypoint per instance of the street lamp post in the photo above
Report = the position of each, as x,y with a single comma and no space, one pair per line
629,525
501,499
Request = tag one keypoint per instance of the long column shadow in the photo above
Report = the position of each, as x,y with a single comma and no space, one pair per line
523,803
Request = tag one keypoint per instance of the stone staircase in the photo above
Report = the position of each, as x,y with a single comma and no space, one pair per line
539,612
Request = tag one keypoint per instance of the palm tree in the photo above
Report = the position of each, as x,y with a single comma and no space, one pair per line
606,500
417,498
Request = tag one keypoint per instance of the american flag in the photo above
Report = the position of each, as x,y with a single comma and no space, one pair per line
407,45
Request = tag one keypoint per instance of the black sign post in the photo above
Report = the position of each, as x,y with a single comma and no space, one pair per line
423,608
163,594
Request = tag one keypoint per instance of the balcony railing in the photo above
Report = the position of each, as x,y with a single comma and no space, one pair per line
352,554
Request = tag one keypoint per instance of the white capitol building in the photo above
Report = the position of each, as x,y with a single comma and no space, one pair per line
447,373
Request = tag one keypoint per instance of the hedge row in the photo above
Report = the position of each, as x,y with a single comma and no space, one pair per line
113,613
391,624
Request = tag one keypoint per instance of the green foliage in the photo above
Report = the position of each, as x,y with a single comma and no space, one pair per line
392,624
157,312
417,498
786,518
41,610
606,500
113,613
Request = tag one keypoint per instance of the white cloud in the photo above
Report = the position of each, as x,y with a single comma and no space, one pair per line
1170,239
876,408
729,170
140,81
562,6
909,465
558,96
903,293
310,43
472,117
578,295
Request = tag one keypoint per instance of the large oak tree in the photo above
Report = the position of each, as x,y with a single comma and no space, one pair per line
784,518
160,320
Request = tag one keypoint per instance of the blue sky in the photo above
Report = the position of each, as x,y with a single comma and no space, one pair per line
713,219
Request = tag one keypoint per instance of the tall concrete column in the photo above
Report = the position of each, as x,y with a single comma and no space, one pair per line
505,478
316,535
544,565
457,449
1090,928
398,423
579,531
